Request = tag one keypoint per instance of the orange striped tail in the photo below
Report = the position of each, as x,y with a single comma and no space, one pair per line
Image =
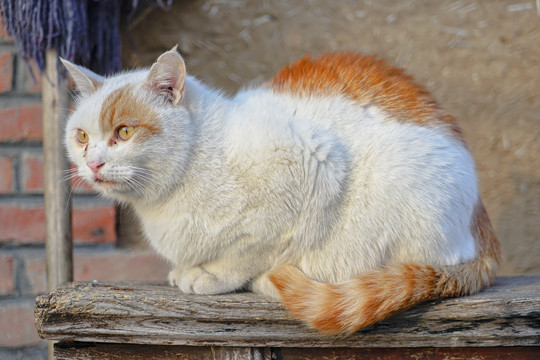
354,304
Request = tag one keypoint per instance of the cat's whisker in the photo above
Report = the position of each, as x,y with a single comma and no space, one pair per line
69,172
142,177
138,184
70,176
65,109
71,192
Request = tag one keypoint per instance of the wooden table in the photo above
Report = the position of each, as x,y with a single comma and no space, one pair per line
104,320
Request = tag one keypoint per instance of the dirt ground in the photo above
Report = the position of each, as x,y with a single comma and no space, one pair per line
481,59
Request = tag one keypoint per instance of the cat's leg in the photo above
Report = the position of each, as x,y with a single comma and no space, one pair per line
210,278
174,275
220,276
263,285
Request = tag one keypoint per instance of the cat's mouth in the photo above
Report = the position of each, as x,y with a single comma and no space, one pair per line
102,182
100,179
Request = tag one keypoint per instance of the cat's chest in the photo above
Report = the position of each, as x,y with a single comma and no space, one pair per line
186,230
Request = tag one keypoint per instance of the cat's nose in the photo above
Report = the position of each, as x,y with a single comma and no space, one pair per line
95,165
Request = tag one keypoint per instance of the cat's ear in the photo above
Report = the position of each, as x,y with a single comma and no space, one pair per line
167,76
85,80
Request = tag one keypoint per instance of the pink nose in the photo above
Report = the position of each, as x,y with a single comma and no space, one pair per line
94,166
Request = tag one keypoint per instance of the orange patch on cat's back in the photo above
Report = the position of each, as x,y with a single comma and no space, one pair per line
366,80
122,108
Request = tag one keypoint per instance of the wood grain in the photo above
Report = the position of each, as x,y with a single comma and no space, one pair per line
470,353
85,351
80,351
58,245
507,314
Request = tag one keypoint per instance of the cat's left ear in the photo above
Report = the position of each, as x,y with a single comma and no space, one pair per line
167,76
85,80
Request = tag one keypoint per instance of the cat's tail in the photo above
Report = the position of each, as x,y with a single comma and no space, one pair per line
351,305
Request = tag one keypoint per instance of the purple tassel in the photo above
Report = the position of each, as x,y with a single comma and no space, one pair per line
83,31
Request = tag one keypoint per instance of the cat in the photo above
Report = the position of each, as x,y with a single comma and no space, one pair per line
340,186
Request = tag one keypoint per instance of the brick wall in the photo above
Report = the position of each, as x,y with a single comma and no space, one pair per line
22,217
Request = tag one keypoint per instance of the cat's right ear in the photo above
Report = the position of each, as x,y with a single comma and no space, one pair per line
167,76
85,80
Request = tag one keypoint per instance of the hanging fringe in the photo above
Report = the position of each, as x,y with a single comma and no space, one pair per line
83,31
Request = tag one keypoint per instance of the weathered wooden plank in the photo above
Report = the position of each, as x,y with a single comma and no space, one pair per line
470,353
58,246
85,351
507,314
240,353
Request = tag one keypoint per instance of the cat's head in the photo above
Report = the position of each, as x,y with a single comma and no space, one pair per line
130,134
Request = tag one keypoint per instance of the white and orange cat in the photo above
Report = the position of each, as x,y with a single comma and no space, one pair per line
340,186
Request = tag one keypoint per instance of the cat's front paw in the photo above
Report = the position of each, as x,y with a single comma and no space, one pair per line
197,280
174,277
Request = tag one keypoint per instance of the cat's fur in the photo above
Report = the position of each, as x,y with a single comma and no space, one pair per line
340,186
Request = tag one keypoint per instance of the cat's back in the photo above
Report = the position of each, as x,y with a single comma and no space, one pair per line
360,103
358,100
394,145
342,92
366,81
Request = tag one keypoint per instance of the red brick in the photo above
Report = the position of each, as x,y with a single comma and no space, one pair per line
32,176
6,72
32,173
6,175
96,225
22,224
7,275
17,327
36,273
21,123
121,265
25,225
116,265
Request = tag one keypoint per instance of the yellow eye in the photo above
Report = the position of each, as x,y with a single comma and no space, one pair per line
82,136
125,132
